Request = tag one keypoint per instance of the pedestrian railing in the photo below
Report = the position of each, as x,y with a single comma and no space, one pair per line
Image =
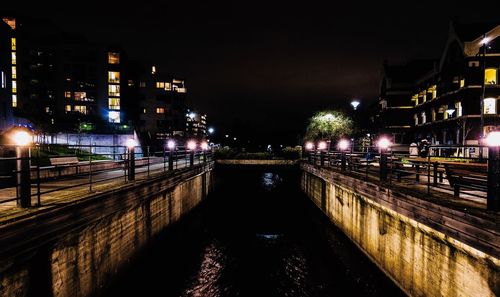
28,175
450,170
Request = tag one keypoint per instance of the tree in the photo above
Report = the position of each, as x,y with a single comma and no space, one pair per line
329,125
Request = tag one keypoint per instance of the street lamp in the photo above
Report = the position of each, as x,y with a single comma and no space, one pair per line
343,145
191,145
131,144
383,143
211,130
450,112
493,194
309,146
23,139
322,145
171,148
355,103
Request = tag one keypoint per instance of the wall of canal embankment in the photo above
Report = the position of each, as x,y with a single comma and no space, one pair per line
428,249
76,249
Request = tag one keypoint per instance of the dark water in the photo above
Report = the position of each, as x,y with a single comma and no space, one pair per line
256,235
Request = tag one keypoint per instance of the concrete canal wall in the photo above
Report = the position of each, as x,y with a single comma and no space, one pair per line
427,249
77,249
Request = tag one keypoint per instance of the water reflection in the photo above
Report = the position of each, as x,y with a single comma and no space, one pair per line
270,181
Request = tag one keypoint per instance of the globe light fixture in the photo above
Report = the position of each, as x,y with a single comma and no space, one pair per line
322,145
493,138
343,144
131,143
384,143
355,103
22,138
171,144
309,146
204,145
211,130
191,145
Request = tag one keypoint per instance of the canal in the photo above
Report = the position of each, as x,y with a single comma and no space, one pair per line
255,235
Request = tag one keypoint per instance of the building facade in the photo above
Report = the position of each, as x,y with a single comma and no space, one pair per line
454,101
7,47
196,125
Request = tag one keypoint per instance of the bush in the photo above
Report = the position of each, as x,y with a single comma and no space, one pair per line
292,153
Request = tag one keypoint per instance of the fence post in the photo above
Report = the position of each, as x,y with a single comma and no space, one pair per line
493,196
23,176
149,155
170,160
90,167
322,158
38,193
191,158
383,165
343,161
164,159
131,163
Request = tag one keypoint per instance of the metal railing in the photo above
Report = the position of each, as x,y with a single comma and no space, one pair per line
28,175
440,170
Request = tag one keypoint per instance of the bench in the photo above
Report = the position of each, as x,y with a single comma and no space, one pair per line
64,162
469,176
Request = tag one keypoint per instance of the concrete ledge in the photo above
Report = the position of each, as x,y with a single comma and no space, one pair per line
256,162
427,248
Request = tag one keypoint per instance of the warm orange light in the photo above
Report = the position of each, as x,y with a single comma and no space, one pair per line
22,138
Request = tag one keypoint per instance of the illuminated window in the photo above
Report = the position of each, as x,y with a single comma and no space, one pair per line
114,117
114,90
160,85
4,80
168,86
458,107
445,113
130,83
415,118
490,76
113,58
415,98
114,77
67,94
14,86
160,110
14,72
433,114
81,109
114,103
153,70
490,105
68,108
432,90
183,90
14,100
14,59
47,109
424,117
177,81
142,84
462,83
80,96
13,43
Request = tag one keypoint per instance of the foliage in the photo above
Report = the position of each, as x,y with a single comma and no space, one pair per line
328,125
292,153
287,153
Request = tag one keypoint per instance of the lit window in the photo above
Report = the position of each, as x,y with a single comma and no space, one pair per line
11,22
490,76
68,108
4,80
14,72
458,107
13,43
143,110
160,110
81,109
130,83
160,85
433,114
114,77
142,84
424,117
462,83
47,109
432,90
415,98
14,86
183,90
114,58
67,94
114,103
81,96
14,100
415,117
14,60
153,70
177,81
490,105
114,117
168,86
114,90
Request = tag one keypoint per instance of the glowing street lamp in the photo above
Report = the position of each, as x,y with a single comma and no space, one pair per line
211,130
22,139
192,115
191,145
383,143
355,103
171,144
131,144
204,145
309,146
344,144
322,145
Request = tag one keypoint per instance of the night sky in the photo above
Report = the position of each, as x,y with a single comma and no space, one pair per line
259,70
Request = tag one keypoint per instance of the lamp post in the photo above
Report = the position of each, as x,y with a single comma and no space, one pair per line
171,148
204,148
131,144
22,140
383,145
493,194
191,145
322,146
309,147
343,145
355,103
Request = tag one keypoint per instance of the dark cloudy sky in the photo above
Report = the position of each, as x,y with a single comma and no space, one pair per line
259,69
